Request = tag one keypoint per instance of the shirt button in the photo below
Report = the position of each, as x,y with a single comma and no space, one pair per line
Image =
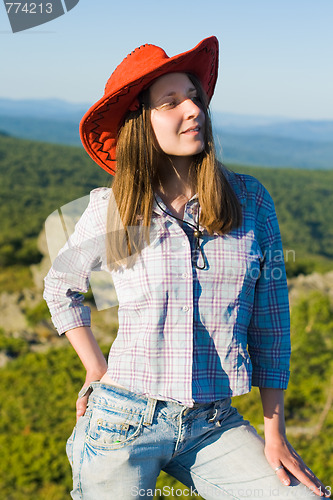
184,275
186,308
184,243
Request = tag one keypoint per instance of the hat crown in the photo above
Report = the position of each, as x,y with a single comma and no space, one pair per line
100,125
135,65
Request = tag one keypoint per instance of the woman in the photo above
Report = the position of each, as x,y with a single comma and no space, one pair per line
195,255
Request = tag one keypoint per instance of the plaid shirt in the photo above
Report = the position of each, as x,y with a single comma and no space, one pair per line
186,334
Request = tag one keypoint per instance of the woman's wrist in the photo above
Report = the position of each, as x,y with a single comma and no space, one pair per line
274,422
274,436
95,374
274,428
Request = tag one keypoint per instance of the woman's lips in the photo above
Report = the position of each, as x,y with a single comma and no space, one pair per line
192,130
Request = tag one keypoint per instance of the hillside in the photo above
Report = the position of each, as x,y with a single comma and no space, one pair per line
242,139
37,366
34,185
55,131
303,200
258,148
33,435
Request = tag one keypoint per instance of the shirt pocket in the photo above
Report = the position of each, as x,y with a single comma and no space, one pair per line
112,429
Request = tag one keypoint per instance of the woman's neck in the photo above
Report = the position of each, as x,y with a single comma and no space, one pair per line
175,185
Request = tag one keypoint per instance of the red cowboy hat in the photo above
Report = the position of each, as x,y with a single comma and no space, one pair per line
99,126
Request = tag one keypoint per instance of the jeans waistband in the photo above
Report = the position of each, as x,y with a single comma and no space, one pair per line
150,403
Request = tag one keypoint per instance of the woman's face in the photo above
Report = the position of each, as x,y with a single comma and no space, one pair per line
176,116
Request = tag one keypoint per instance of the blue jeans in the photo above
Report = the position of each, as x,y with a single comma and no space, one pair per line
118,448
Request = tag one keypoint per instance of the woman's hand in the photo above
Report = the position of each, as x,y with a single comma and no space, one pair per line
84,343
83,396
82,401
81,406
279,452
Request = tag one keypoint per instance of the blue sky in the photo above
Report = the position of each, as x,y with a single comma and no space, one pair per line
275,56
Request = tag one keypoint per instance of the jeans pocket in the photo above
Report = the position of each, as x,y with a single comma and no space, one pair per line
69,446
113,429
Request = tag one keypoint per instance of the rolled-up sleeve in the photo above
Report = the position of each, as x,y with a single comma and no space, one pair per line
69,275
269,329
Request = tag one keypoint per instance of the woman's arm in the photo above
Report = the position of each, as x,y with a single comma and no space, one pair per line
68,279
84,343
278,450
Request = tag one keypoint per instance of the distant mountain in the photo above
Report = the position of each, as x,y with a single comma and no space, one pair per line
304,130
244,139
48,120
273,151
54,109
38,129
236,121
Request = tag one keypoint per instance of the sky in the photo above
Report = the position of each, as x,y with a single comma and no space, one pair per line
275,55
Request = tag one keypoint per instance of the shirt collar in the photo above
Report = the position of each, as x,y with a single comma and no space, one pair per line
158,209
235,181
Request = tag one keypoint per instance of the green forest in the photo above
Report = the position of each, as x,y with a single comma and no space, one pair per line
38,407
38,178
41,377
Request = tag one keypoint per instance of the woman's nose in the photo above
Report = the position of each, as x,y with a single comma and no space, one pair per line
191,109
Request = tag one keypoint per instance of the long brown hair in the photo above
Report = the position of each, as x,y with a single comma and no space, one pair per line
138,160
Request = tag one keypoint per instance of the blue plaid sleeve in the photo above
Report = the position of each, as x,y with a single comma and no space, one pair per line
269,328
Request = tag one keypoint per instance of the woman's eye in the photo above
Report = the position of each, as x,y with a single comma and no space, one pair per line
173,103
168,105
195,99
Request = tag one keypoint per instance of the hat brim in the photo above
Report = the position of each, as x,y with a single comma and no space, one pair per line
100,125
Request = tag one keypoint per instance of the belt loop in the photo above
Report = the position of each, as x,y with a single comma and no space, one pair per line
212,419
149,413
